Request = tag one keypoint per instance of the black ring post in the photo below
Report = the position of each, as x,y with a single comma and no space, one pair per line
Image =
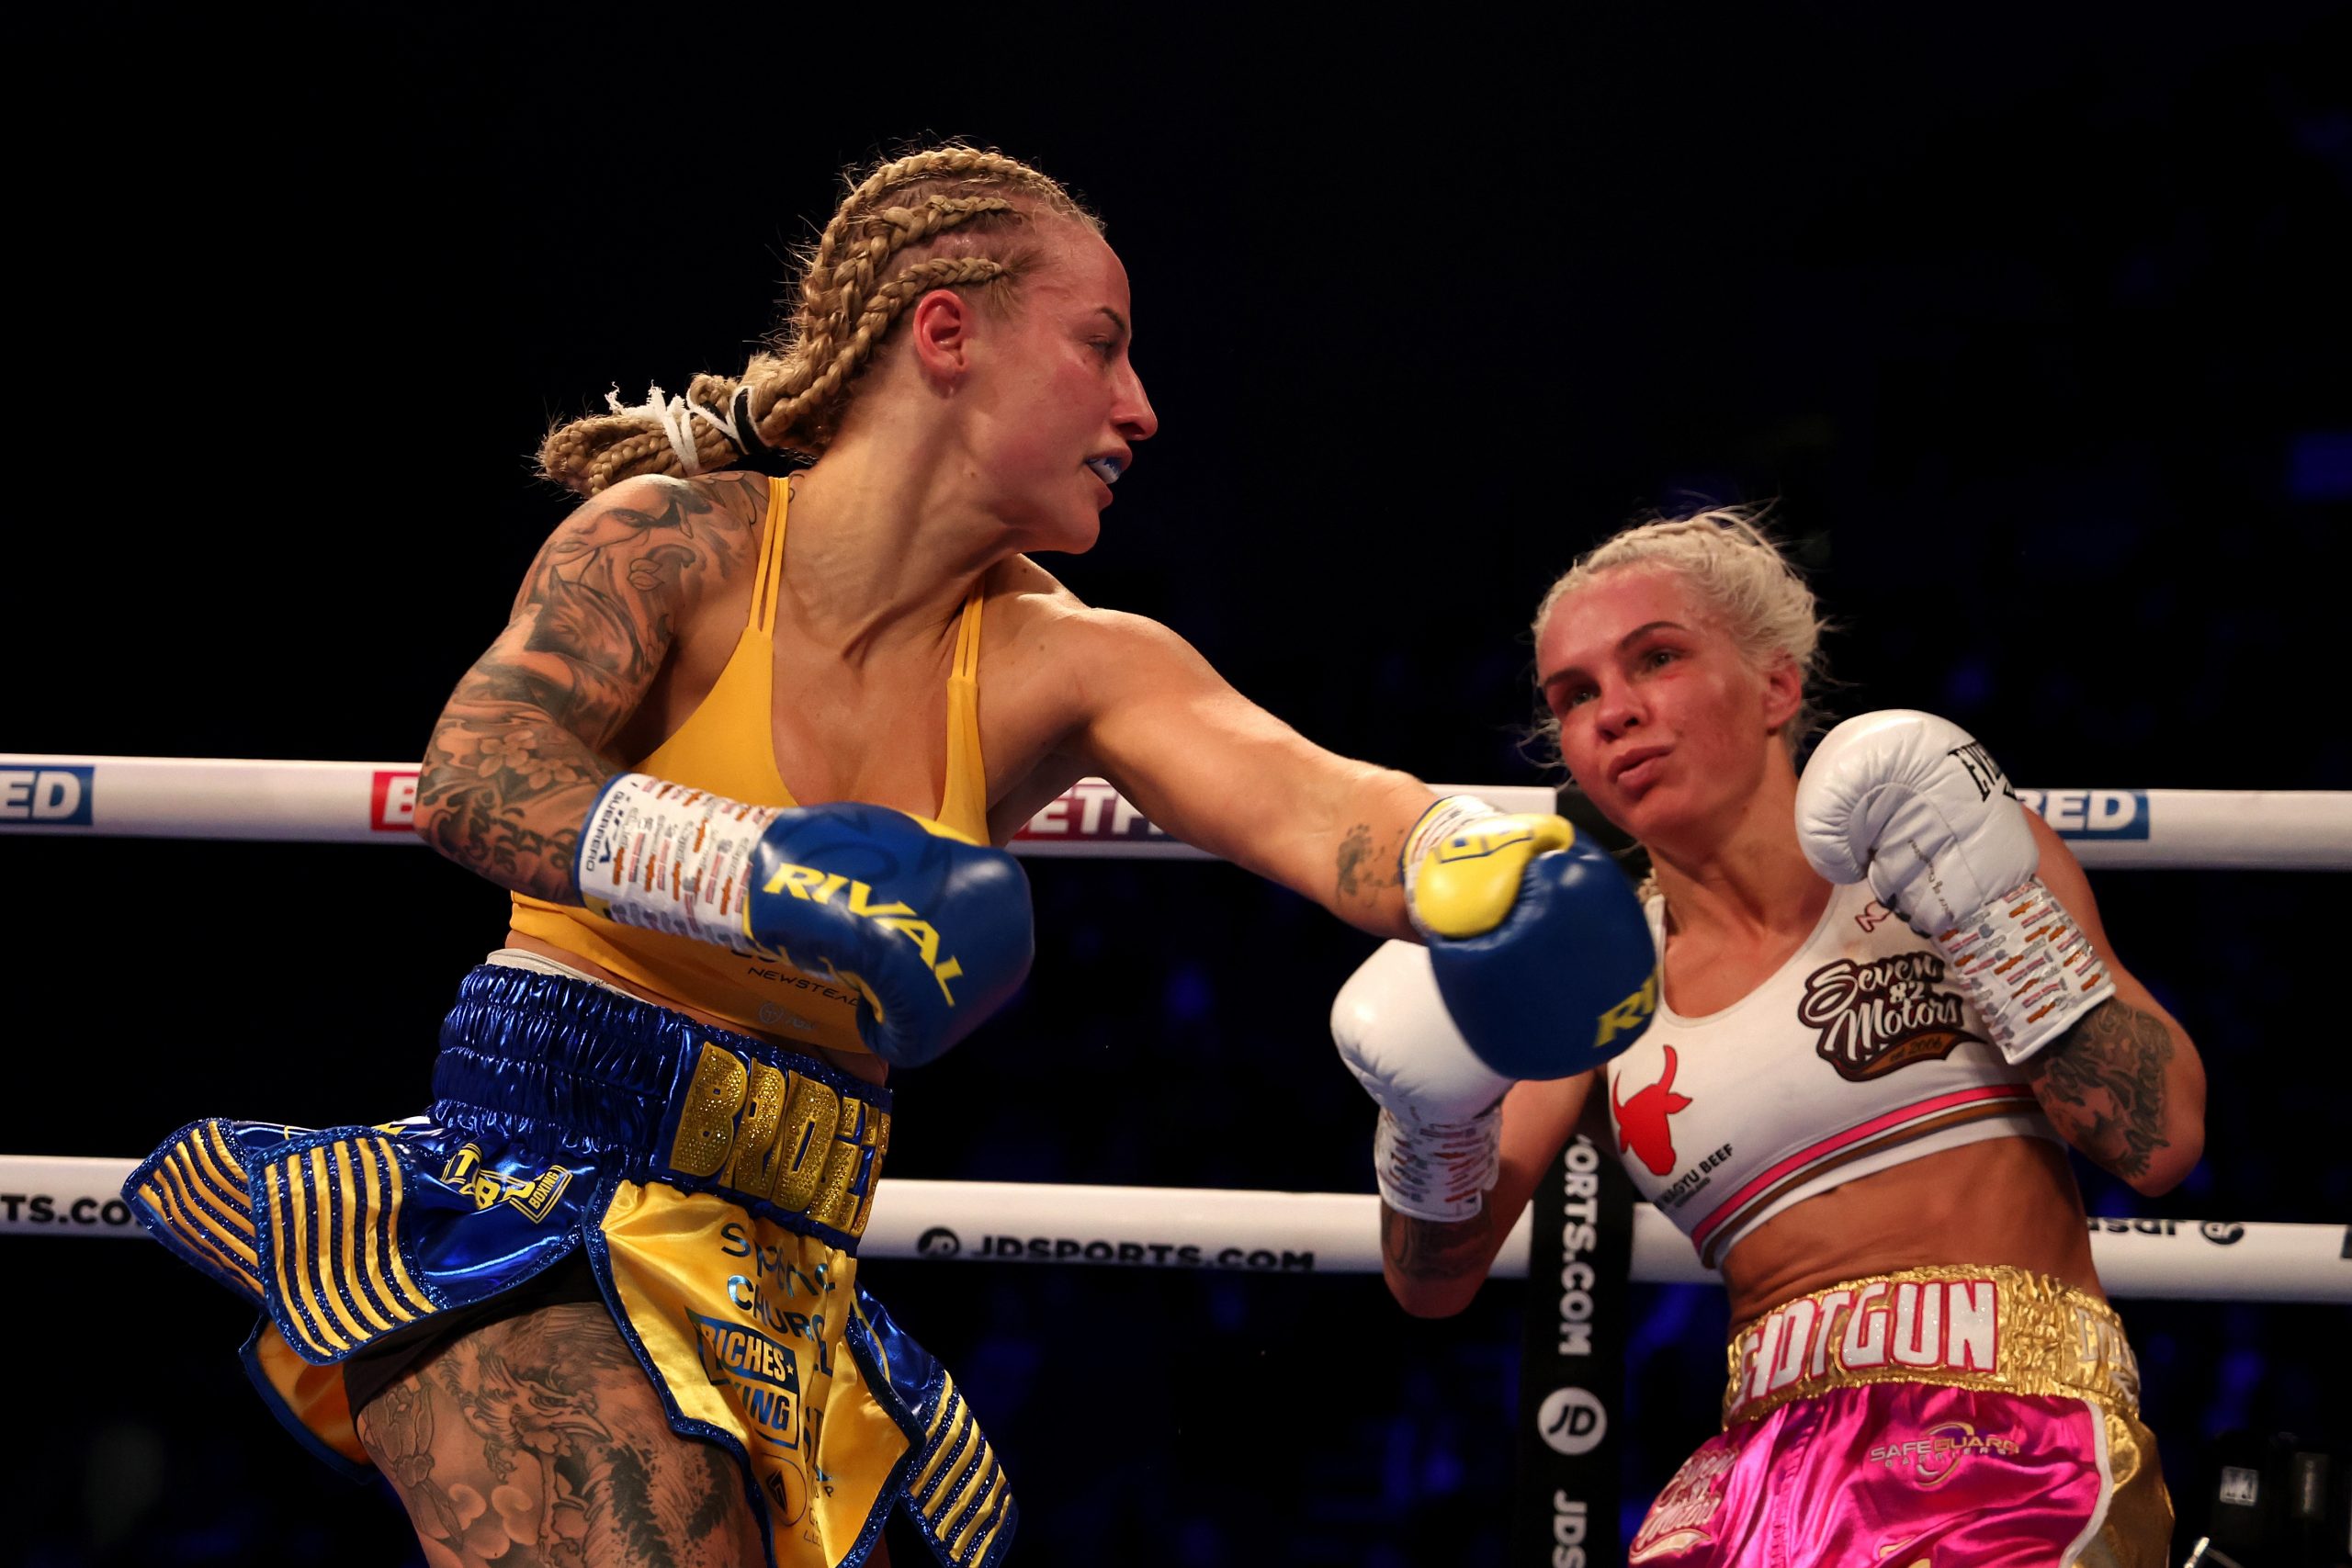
1572,1363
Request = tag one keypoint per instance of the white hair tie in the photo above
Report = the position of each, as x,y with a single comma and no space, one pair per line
674,415
725,423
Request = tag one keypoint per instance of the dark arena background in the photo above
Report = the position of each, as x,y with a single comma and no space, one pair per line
2033,324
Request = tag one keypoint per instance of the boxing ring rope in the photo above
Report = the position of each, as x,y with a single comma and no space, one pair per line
201,797
1320,1233
1268,1232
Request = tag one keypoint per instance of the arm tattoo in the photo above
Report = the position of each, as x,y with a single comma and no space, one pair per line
2103,1084
1352,849
1432,1249
516,759
1363,870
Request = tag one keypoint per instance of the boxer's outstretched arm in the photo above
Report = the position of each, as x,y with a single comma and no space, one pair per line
2125,1084
516,759
1225,776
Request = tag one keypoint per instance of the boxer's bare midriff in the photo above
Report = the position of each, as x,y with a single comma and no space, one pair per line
867,1069
2009,1200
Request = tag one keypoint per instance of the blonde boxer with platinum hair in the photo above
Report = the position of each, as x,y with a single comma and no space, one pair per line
1887,1005
1727,558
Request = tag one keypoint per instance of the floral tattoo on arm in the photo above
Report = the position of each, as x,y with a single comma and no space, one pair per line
517,757
2102,1085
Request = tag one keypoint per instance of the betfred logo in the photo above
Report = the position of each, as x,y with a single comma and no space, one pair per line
392,800
1088,809
2091,813
50,797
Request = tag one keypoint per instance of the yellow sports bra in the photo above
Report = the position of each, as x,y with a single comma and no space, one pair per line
728,746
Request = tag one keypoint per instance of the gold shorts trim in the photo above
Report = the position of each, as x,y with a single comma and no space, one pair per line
1991,1326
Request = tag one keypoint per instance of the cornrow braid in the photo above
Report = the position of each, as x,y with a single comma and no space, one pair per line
964,206
970,166
829,298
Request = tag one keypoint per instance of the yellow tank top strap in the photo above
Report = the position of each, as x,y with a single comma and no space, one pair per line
727,746
769,582
964,808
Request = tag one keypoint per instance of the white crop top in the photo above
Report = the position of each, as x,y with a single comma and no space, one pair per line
1857,1054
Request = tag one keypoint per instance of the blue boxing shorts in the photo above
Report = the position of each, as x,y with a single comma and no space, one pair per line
717,1186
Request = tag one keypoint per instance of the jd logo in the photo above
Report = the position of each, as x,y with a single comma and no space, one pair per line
1572,1421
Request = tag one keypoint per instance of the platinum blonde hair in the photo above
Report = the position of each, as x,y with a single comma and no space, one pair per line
1739,572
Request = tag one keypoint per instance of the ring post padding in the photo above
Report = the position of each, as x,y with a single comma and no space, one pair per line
1320,1233
204,797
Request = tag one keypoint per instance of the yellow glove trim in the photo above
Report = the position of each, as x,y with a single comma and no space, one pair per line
1468,883
856,982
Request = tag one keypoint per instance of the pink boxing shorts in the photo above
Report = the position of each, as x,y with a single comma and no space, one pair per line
1961,1417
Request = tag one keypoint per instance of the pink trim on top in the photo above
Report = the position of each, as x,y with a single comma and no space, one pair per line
1836,1141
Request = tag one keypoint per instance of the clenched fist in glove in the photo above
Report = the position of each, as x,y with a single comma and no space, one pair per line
1535,938
1911,802
1440,1107
931,932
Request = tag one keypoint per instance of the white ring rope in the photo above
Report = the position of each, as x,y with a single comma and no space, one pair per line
1281,1231
200,797
1321,1233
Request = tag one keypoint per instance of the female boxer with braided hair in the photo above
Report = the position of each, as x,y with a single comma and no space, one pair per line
1887,1005
600,1304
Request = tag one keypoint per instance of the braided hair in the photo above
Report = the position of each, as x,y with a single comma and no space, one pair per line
950,217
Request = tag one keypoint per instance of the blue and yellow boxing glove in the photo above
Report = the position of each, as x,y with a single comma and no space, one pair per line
934,933
1538,946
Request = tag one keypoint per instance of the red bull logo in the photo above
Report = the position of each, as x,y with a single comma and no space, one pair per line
1642,1121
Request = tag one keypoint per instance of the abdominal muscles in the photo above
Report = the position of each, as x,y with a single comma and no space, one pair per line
2009,1200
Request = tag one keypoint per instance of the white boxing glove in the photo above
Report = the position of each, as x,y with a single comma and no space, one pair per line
1435,1152
1913,803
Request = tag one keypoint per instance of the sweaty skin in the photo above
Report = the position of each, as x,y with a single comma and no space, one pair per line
2010,1201
638,600
976,437
1675,736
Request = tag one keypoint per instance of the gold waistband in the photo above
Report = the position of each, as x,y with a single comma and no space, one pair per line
778,1140
1985,1328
